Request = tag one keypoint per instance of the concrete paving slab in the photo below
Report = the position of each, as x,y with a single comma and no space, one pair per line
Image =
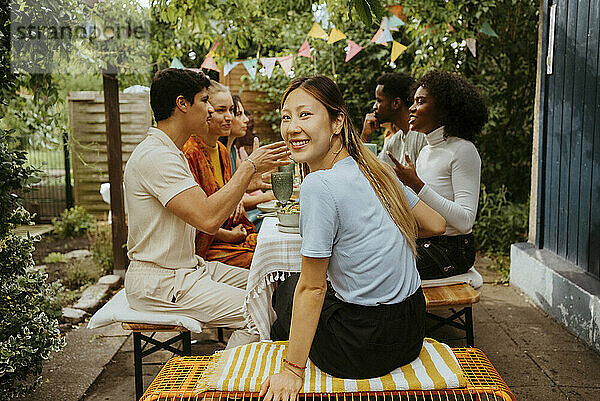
67,375
581,393
490,336
508,306
540,393
518,369
549,336
32,230
569,368
481,314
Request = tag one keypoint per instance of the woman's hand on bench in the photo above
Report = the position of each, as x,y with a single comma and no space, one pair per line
283,386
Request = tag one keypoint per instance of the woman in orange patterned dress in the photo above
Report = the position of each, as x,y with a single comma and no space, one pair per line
210,164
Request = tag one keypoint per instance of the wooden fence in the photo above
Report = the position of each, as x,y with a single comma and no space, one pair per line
88,141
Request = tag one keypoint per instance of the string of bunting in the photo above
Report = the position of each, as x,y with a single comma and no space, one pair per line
383,37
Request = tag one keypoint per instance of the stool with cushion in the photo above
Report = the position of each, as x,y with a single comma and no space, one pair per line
117,310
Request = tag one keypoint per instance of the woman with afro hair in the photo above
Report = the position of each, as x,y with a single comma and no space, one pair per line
450,111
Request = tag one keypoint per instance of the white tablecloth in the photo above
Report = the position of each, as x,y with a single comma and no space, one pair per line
276,256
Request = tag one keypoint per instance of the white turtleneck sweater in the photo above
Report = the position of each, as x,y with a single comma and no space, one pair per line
450,169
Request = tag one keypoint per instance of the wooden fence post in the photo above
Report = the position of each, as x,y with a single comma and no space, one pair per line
115,171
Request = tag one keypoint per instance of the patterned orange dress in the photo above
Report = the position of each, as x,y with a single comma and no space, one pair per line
207,246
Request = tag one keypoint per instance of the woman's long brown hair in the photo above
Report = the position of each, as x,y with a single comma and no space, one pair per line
381,177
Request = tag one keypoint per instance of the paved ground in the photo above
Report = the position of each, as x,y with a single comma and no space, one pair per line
33,230
535,355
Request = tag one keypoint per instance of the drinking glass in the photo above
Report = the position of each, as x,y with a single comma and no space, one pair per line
289,168
282,183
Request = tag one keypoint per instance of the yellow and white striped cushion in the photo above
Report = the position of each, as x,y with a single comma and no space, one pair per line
245,368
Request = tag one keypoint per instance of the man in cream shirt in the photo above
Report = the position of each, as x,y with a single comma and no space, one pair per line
166,207
393,98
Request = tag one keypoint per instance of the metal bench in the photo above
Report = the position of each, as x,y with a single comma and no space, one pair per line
140,351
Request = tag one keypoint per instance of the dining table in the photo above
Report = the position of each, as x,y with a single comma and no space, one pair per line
276,257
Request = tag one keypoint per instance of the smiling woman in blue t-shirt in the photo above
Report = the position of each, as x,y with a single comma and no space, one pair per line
359,225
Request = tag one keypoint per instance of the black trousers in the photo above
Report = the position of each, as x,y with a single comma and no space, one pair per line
445,256
354,341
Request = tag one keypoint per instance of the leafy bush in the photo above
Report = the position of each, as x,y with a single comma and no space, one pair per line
500,222
81,273
100,236
73,222
29,307
55,257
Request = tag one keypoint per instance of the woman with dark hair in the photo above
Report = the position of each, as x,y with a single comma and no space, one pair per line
242,133
450,111
358,225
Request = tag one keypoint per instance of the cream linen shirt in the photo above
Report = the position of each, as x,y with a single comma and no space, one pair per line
399,144
157,171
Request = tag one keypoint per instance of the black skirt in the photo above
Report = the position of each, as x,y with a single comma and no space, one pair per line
354,341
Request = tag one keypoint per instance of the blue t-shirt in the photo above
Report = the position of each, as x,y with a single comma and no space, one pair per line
341,217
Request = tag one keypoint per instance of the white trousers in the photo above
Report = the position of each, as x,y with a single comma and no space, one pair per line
212,293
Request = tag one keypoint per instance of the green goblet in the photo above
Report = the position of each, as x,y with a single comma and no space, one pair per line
282,184
289,168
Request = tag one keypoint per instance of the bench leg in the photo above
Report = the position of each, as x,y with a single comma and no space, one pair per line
186,341
220,335
469,326
137,362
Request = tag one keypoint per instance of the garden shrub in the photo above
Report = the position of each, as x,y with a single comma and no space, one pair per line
29,307
55,257
73,222
81,273
500,222
100,236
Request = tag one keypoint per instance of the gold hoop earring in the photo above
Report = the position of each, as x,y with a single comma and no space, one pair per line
341,145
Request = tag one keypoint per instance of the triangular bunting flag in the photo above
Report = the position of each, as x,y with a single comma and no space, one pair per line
177,64
386,36
397,49
286,63
352,50
394,22
317,32
228,67
487,29
210,64
251,67
377,35
269,64
472,45
397,11
335,35
305,50
375,38
211,52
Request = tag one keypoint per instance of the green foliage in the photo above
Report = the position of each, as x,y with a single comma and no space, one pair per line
501,264
100,236
500,222
55,257
504,70
29,307
73,222
355,78
81,273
